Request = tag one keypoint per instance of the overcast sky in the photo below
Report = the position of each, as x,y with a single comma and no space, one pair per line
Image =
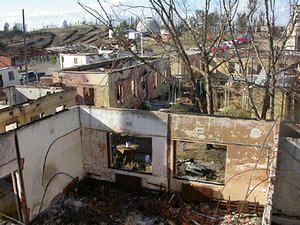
39,13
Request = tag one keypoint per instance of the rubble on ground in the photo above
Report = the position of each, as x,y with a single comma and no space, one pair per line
95,202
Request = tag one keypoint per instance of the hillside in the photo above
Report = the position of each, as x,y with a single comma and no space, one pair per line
54,37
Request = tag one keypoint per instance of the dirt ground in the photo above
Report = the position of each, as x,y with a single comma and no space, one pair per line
212,157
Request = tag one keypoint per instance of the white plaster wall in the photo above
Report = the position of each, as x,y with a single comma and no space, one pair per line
64,156
81,59
69,60
5,78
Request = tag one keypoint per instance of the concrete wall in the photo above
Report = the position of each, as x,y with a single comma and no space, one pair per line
80,80
58,148
243,139
5,77
287,184
33,110
97,122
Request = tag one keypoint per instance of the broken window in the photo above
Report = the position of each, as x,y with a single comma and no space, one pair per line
11,75
199,161
155,80
130,152
88,96
133,88
120,94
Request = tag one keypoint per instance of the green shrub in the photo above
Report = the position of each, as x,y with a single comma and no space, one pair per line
236,110
53,60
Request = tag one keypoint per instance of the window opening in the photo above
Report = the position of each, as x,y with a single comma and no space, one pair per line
88,96
130,152
199,161
11,75
120,94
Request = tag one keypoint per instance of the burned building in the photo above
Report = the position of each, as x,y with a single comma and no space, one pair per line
123,83
173,152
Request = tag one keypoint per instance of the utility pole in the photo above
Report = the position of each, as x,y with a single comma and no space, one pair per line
25,50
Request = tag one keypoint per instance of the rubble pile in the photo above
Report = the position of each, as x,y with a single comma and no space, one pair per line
95,202
243,218
191,170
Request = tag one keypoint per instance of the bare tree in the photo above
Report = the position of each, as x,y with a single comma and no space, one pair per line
172,13
6,27
65,24
269,57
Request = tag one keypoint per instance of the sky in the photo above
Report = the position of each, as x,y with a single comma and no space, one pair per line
40,13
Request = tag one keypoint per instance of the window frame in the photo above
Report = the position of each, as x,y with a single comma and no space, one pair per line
110,158
174,166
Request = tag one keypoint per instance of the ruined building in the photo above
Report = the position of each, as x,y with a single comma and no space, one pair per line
122,83
174,152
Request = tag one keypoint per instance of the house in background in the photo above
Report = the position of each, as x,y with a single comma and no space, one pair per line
165,34
67,60
124,83
9,76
